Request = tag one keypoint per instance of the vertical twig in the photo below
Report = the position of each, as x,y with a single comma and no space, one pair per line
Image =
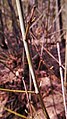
25,90
23,56
61,75
65,77
20,12
30,83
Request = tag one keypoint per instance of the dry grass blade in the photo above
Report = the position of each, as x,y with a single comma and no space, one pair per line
15,113
16,91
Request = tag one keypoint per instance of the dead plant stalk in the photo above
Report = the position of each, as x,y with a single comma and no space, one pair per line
61,76
65,78
22,25
16,91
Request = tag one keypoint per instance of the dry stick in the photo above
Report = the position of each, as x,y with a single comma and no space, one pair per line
30,83
61,71
23,78
25,90
15,113
20,12
27,29
16,91
61,75
24,34
65,77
